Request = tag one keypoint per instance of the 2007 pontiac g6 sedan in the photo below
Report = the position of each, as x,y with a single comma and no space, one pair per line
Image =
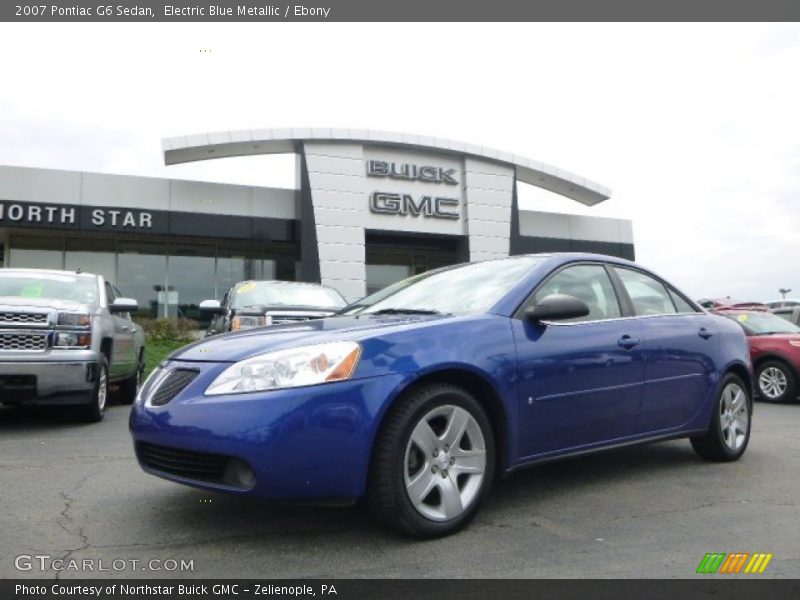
419,395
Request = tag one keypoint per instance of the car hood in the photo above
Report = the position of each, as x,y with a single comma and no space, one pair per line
776,337
17,303
232,347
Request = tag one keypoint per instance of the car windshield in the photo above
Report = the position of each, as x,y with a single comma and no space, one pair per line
49,286
467,289
764,323
272,293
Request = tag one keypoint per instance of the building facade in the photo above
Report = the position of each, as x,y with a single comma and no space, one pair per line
369,208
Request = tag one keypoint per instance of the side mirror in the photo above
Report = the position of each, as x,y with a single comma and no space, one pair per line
557,307
211,306
121,305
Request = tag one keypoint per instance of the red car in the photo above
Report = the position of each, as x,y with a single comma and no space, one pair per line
775,352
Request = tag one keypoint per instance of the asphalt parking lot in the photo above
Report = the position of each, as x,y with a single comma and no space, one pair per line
75,491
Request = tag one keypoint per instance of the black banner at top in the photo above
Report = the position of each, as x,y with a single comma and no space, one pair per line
175,11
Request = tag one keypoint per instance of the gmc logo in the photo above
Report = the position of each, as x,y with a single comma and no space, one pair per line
403,204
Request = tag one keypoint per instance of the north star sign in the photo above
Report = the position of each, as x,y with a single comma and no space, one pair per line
387,203
71,216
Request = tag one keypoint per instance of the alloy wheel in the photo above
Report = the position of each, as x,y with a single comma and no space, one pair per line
102,390
445,463
734,416
772,383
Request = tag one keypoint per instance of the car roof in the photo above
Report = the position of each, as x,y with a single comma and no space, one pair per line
61,272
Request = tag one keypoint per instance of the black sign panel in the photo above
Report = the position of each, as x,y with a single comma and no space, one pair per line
73,217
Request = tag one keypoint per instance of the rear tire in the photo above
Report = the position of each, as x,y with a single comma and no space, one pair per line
729,432
96,409
433,462
130,387
775,382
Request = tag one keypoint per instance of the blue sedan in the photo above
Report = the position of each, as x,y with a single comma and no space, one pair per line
418,396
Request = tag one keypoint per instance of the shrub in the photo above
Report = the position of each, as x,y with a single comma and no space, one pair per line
170,330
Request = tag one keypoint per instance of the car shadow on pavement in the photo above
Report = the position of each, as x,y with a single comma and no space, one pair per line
34,417
245,520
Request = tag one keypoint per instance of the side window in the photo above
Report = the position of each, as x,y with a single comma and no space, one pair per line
110,295
649,296
591,284
682,305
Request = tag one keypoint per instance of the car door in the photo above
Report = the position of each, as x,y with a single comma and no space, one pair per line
679,344
579,381
123,348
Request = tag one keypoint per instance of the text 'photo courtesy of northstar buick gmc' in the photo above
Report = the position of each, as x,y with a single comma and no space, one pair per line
64,338
420,395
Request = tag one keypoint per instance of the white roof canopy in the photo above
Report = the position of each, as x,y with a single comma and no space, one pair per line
248,142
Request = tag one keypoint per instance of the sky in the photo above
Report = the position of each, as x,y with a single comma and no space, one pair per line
695,127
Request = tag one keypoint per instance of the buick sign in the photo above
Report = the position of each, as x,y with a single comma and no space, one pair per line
411,172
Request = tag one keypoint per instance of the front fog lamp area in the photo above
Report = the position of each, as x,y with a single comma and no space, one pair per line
73,340
308,365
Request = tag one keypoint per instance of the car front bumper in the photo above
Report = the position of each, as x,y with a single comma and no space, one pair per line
63,380
310,443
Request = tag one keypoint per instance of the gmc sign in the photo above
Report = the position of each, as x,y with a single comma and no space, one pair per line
404,204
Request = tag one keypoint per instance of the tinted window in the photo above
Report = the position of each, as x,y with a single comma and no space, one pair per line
591,284
682,305
648,295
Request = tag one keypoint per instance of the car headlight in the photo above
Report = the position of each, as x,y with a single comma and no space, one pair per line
70,319
249,322
795,343
307,365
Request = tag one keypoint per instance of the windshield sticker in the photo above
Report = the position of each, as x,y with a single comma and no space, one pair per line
246,288
743,318
32,290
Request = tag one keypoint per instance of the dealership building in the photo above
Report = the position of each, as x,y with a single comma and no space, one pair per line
368,208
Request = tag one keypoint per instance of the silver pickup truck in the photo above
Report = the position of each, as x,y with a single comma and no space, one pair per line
64,337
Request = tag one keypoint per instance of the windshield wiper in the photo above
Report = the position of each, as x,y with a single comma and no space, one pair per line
407,311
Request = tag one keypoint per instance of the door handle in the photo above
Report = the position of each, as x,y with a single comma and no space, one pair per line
627,342
704,333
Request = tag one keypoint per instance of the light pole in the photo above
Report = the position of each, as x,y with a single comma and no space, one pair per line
783,292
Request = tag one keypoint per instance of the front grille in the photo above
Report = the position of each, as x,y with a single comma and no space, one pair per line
172,385
289,319
23,342
184,463
14,318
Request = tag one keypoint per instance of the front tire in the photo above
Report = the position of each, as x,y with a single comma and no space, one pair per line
433,462
776,382
729,433
96,409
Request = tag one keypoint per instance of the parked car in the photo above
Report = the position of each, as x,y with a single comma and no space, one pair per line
791,314
785,303
250,304
728,303
417,400
64,337
775,352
